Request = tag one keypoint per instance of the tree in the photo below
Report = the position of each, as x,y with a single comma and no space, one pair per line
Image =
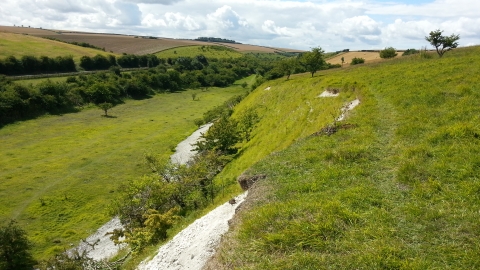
441,43
288,66
105,107
313,60
343,60
388,52
15,248
222,136
247,122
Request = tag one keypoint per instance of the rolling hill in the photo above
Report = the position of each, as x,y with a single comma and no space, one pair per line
119,44
394,186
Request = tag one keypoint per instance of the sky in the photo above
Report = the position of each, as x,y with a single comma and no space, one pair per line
296,24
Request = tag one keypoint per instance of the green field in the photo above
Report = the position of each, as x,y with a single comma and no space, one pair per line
20,45
398,188
192,51
60,172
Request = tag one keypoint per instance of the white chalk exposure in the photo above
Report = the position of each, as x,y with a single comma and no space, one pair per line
101,246
327,93
193,246
183,152
348,107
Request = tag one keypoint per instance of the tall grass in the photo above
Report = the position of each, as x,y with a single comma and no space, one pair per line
399,190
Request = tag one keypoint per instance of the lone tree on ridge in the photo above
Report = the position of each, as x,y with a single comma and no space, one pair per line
314,60
441,43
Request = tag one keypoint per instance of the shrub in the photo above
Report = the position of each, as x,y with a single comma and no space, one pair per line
357,60
14,248
410,51
388,52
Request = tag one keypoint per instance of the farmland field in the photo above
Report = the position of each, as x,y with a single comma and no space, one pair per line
19,45
60,172
255,48
133,45
192,51
348,56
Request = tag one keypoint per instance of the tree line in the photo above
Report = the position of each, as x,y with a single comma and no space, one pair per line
28,64
18,101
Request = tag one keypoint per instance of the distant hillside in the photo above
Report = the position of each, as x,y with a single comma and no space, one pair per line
19,45
119,44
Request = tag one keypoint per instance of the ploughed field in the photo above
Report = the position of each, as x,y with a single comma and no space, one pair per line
130,44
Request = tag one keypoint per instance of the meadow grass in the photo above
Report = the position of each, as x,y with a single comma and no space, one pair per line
399,189
60,172
20,45
192,51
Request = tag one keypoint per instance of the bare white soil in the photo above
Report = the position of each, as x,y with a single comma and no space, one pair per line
99,246
183,152
348,107
327,93
193,246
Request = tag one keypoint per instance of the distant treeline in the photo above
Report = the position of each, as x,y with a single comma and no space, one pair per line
101,62
214,39
19,102
32,65
81,44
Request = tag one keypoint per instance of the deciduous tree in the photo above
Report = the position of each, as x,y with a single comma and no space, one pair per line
442,43
14,248
313,60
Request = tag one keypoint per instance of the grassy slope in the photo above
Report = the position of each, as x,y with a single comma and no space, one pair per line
398,191
192,51
19,45
73,163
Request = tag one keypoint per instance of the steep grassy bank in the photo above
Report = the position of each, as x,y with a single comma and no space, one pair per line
397,190
59,173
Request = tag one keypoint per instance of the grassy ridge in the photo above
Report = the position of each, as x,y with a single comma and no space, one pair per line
21,45
192,51
59,173
400,190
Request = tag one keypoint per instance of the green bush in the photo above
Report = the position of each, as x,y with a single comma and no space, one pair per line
357,60
410,52
14,248
388,52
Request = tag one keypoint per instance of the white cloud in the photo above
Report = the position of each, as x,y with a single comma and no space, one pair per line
270,27
180,21
226,18
333,25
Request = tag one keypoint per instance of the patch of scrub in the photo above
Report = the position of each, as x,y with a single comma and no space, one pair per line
99,246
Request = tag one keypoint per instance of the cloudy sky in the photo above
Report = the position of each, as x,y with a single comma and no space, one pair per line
298,24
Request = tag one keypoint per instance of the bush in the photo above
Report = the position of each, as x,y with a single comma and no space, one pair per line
356,61
388,52
14,248
410,51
